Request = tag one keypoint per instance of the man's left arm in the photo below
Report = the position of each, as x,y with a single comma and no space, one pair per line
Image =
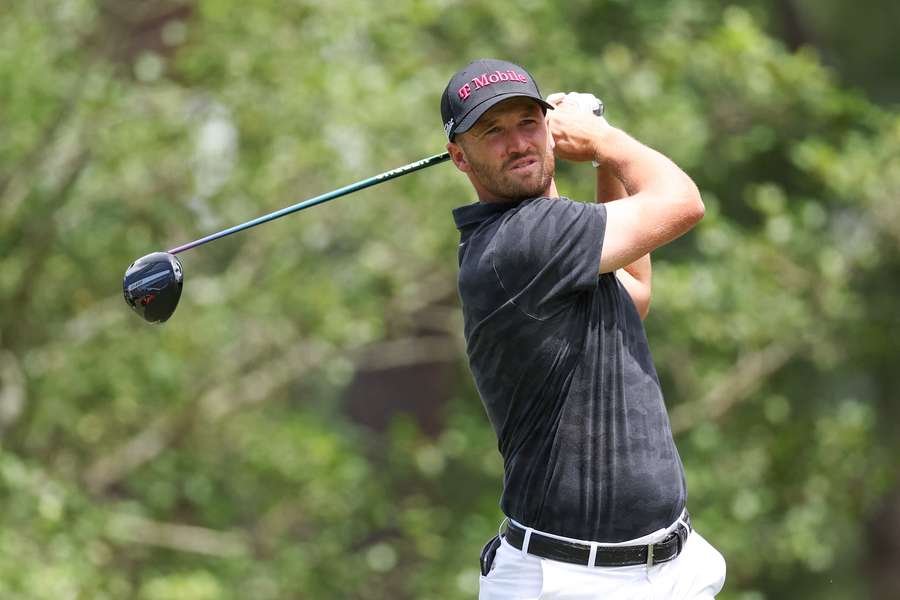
636,277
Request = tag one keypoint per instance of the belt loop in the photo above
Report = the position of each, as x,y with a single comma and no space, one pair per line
685,519
526,541
593,555
649,555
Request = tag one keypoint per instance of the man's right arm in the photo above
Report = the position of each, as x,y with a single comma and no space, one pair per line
663,202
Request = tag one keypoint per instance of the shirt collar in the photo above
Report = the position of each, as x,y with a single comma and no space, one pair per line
472,214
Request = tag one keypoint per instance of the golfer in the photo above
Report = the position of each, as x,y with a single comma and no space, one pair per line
553,294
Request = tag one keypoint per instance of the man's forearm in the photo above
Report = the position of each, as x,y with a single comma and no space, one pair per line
609,187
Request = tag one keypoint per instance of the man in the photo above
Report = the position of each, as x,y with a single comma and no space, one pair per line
553,293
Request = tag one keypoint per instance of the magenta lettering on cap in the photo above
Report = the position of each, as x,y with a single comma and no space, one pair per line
481,81
486,79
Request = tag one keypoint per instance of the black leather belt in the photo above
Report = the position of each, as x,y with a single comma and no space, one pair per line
605,556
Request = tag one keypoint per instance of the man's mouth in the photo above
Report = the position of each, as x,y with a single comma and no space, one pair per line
522,164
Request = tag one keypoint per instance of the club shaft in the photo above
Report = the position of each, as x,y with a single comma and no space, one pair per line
347,189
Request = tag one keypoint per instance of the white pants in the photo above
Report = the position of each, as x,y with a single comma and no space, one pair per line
698,573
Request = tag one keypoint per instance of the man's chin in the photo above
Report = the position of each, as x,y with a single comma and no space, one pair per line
529,189
523,193
514,189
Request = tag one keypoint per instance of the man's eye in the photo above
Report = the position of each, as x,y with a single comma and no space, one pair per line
492,131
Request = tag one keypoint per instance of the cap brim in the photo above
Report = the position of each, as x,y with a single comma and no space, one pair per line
473,115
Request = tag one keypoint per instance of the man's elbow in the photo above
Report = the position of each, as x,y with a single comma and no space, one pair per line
644,309
693,204
687,208
640,295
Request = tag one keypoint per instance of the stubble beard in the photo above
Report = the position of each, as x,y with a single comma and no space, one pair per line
503,184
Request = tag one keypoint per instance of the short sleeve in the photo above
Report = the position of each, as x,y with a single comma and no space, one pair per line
548,249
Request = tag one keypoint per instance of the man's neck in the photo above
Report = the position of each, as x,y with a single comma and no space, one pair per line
551,190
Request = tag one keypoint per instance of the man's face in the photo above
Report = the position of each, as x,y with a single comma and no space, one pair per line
508,153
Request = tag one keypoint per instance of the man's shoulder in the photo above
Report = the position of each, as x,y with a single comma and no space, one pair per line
545,215
544,203
477,213
550,205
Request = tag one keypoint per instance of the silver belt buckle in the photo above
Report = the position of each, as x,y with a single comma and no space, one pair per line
649,555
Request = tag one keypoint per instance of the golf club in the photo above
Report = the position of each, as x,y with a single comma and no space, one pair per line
153,283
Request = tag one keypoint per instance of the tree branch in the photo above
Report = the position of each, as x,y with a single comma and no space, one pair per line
217,403
178,537
739,384
405,352
24,170
12,389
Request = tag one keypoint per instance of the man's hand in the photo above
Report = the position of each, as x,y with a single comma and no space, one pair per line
576,133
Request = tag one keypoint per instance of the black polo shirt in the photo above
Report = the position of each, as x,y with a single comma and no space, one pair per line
561,361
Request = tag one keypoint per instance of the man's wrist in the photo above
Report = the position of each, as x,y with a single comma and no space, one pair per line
597,160
603,141
599,109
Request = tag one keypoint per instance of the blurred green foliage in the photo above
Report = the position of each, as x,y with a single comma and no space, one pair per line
212,458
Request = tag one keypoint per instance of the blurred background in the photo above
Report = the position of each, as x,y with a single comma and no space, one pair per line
305,426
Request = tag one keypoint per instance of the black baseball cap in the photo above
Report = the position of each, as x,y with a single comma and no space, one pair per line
479,86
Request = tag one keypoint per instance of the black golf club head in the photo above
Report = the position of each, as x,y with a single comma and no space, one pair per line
153,285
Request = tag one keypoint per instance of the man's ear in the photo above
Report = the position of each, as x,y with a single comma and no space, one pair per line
458,156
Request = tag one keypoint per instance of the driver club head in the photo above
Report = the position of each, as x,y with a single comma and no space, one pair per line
152,286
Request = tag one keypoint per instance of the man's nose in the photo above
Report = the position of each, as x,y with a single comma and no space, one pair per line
516,142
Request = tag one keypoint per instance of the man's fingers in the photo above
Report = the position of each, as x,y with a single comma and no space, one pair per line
583,101
556,98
